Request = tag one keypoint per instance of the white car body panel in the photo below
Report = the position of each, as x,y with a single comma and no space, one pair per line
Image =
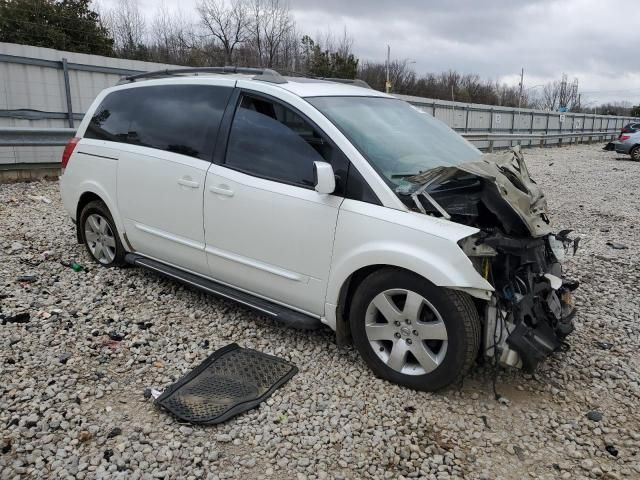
160,203
270,238
93,168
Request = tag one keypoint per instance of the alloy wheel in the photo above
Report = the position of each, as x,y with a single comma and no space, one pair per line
100,238
406,332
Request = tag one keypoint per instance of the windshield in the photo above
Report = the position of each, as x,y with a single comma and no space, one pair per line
397,139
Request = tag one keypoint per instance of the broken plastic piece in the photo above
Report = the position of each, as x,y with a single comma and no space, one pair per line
27,278
40,198
22,317
75,266
604,345
152,393
555,282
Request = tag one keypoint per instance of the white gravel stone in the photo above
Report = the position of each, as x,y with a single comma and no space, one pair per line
334,419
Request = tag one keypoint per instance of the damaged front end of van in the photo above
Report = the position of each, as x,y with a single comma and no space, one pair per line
515,250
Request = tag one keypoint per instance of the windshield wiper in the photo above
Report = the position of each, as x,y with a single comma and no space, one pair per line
404,175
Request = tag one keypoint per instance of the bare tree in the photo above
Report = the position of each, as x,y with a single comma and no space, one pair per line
559,93
225,23
173,37
291,57
270,28
128,28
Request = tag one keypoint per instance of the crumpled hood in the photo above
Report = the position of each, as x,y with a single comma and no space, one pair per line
508,172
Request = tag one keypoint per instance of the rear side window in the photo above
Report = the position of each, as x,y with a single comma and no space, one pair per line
271,141
177,118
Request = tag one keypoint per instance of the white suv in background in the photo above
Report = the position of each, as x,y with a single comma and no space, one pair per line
320,202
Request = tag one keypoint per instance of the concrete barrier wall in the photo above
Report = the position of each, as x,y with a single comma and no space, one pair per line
33,91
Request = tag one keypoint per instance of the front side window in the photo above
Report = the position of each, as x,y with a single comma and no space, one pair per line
398,140
271,141
177,118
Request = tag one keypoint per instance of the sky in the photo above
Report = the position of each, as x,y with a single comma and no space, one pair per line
595,41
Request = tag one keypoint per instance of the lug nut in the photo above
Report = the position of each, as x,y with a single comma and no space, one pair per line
408,321
415,332
409,341
397,335
397,323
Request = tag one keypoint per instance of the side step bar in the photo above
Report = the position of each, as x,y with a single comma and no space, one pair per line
284,315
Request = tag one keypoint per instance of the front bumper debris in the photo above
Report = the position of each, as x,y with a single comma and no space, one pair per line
533,308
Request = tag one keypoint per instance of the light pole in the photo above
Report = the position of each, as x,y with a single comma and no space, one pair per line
520,95
387,86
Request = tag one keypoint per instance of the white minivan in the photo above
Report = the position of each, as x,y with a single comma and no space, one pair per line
324,202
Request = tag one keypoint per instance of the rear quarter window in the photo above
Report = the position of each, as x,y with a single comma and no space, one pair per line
182,119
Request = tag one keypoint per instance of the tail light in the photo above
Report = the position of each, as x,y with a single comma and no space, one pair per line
624,137
68,150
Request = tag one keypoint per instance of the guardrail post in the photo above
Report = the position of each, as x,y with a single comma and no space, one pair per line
466,118
513,126
533,116
67,92
573,129
560,130
490,146
546,127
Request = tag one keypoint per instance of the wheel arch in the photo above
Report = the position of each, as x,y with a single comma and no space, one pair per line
84,199
90,192
349,286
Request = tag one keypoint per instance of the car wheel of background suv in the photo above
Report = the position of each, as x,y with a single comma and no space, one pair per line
635,153
100,234
413,333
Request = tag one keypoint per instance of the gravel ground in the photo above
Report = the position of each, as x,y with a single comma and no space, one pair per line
72,377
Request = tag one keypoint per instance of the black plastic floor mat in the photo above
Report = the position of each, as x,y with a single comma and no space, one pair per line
230,381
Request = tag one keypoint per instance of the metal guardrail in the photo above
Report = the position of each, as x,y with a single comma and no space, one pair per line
55,137
543,138
35,137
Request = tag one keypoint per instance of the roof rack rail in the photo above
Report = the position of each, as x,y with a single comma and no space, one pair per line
352,81
264,74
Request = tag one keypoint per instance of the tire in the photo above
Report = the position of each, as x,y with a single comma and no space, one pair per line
100,235
433,338
635,153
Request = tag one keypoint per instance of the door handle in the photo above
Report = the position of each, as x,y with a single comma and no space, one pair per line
222,190
188,183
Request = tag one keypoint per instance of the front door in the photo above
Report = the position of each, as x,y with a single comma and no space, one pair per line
267,231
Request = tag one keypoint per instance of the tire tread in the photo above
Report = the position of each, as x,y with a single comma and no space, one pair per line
472,327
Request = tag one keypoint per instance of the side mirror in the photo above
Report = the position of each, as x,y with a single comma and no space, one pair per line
324,177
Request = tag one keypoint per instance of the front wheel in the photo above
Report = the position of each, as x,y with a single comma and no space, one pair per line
413,333
100,234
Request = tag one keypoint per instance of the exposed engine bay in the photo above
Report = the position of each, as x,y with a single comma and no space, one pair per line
532,310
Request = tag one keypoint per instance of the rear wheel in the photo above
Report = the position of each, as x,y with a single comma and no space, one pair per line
100,234
635,153
413,333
